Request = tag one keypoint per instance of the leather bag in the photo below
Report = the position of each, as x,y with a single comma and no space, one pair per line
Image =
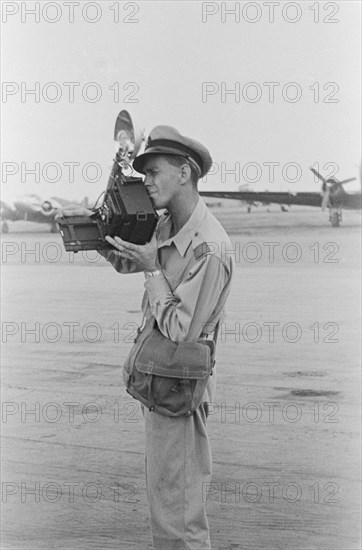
169,378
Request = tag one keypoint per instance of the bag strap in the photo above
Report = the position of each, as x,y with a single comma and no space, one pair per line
196,322
216,332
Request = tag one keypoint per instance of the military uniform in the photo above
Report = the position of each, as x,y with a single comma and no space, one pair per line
194,263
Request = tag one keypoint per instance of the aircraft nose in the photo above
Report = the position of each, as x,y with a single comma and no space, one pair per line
47,206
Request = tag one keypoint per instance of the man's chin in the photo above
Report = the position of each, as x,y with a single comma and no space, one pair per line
158,205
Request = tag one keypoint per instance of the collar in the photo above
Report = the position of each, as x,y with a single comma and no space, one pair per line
185,236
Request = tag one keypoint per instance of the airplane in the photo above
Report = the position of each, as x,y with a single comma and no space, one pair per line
332,196
34,209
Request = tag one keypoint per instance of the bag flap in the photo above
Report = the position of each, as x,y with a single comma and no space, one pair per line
162,357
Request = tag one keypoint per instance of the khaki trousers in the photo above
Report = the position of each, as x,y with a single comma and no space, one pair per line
178,465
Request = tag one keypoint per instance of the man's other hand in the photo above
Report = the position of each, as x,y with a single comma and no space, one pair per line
144,256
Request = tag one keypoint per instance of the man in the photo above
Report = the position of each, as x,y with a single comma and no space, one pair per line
188,273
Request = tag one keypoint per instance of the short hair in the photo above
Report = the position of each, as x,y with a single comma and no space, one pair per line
178,160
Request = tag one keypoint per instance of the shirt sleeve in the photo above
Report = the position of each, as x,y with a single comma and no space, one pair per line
201,289
122,265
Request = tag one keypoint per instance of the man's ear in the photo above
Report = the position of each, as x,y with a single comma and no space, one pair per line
185,173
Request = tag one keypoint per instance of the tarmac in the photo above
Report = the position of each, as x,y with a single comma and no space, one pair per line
285,424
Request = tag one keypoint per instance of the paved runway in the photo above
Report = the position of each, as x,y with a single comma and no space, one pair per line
284,427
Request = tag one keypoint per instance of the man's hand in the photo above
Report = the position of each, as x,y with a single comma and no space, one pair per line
70,210
144,256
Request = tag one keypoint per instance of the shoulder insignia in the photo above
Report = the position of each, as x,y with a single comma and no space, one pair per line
201,250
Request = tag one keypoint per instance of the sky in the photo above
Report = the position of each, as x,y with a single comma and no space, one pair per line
270,93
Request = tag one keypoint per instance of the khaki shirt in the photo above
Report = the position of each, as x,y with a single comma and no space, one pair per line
195,280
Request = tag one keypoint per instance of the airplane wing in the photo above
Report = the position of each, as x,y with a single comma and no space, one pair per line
34,209
266,197
8,211
61,203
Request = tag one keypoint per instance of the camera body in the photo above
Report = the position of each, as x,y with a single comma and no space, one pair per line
126,212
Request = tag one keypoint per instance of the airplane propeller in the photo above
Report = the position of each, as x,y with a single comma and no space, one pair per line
330,185
49,206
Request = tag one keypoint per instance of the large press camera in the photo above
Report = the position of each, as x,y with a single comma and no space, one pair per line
126,210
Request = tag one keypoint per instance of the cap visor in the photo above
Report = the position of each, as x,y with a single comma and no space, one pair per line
139,162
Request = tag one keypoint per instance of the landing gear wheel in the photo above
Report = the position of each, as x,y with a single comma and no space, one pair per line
335,219
4,227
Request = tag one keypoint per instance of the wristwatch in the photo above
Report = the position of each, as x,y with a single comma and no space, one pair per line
149,274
